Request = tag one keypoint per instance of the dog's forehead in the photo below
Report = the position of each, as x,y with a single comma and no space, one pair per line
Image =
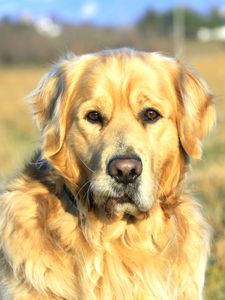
123,73
120,65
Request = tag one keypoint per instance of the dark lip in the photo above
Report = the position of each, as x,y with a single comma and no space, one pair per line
124,199
111,203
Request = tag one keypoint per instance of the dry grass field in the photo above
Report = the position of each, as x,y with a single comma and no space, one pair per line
18,138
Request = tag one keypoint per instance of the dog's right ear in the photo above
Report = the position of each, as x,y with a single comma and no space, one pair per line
48,111
45,97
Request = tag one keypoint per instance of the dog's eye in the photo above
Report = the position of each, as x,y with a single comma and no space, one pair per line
151,115
94,117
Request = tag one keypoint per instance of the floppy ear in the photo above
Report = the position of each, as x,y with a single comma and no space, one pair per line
197,111
48,111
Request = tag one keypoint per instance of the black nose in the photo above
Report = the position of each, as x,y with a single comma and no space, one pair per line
125,170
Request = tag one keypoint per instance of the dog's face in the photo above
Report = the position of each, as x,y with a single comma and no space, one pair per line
119,126
124,130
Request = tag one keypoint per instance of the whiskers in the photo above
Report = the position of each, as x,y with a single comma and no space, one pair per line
92,171
84,188
86,196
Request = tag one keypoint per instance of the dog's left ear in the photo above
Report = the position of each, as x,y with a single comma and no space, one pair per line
196,112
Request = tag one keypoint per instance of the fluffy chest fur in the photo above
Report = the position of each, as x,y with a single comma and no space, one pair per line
71,259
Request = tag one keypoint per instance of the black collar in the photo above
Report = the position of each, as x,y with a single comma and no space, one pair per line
46,169
69,195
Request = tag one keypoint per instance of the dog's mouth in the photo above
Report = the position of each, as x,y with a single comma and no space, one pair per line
123,206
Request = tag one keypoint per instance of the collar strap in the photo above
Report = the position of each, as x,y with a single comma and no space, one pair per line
69,195
45,167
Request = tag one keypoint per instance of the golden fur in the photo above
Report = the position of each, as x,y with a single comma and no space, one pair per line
57,246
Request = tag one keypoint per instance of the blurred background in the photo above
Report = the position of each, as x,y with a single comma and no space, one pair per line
36,33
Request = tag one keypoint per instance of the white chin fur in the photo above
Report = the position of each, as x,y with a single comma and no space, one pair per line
126,208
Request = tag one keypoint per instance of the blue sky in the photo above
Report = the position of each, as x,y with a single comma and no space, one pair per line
101,12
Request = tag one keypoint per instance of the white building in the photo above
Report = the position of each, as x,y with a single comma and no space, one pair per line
46,26
216,34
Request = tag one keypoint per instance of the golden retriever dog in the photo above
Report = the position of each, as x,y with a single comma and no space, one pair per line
101,211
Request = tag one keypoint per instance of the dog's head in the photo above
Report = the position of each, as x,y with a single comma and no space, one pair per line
119,126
